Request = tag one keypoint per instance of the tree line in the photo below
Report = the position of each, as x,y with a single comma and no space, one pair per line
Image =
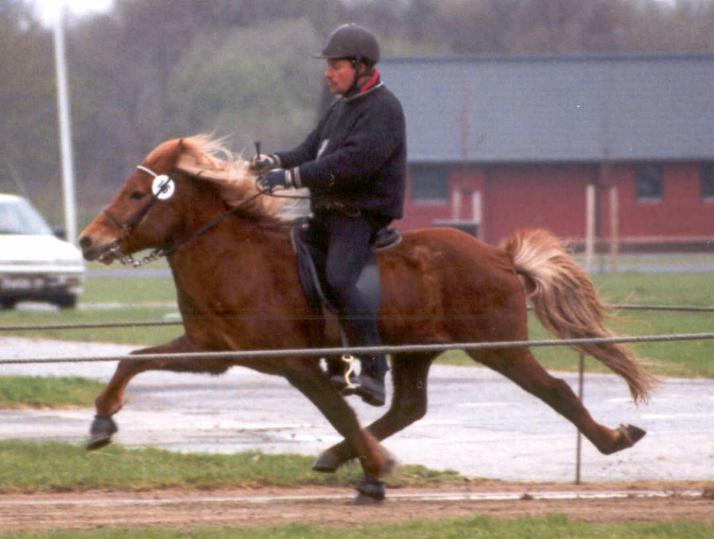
154,69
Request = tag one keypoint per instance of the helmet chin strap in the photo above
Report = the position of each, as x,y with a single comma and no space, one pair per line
355,81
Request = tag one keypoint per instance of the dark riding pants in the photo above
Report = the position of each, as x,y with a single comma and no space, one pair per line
343,245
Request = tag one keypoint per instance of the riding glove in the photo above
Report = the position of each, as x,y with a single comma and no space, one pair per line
263,163
278,178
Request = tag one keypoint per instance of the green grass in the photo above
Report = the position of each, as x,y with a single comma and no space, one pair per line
475,527
130,289
126,335
145,299
47,392
656,288
59,467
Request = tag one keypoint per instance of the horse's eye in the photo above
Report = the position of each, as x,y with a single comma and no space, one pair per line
136,195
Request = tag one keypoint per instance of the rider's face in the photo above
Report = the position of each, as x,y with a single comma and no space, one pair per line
339,74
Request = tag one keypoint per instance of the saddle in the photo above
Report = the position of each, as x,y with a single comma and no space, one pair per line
314,283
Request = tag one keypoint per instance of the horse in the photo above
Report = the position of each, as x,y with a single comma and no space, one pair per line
227,243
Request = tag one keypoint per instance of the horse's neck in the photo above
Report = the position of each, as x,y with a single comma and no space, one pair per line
220,268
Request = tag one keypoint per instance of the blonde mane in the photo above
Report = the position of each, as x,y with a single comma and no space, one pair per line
207,158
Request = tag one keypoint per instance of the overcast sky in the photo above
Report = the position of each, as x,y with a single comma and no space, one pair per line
48,9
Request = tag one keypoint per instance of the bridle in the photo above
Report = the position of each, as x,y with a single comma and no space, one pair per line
162,185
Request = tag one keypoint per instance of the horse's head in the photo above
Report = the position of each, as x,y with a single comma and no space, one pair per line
174,189
142,212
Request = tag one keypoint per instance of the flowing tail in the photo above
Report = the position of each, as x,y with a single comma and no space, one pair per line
566,303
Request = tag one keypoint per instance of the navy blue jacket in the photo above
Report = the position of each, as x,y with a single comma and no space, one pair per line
356,154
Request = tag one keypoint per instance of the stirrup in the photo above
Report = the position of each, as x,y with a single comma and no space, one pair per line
350,360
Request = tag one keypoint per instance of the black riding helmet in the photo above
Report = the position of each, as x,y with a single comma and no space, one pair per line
354,42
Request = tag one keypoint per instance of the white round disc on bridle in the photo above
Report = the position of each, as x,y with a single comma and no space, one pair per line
163,187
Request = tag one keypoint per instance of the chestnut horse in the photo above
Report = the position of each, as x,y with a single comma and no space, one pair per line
237,287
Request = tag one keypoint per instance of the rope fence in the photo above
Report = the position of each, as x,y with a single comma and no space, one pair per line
159,323
248,355
104,325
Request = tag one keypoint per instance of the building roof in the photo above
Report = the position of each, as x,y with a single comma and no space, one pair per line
541,109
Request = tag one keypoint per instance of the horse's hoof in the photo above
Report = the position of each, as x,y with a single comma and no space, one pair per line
631,434
370,491
101,432
327,462
628,435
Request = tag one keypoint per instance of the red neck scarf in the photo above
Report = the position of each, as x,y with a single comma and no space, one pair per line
371,83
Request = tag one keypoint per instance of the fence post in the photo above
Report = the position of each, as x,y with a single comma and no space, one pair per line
590,194
614,228
579,438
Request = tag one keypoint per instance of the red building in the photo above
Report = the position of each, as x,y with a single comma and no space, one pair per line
496,144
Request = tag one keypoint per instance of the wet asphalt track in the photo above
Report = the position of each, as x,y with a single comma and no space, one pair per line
479,423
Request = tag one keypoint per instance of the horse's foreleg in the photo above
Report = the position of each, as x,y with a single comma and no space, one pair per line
409,376
524,370
111,399
307,377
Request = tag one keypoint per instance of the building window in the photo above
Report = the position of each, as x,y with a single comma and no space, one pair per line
429,183
649,185
706,181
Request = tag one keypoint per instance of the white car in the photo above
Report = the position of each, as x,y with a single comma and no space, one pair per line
34,263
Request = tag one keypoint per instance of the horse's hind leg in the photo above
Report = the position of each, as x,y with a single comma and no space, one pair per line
111,399
520,366
409,375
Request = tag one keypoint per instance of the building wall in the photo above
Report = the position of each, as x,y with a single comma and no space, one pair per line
544,196
553,196
681,214
512,197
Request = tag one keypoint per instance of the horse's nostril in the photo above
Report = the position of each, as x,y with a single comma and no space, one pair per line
85,242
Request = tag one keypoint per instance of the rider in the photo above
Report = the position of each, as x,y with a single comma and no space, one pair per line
354,164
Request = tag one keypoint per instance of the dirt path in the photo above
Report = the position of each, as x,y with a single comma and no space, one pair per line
332,507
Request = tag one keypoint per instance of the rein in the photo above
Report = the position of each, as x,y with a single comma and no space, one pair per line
127,228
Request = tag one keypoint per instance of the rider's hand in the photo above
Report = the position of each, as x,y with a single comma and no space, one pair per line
277,178
263,163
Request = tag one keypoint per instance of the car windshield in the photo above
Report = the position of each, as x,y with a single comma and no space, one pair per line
19,217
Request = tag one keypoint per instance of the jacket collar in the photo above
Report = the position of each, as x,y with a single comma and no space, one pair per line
355,97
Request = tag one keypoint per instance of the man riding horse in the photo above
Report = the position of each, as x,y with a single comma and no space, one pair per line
354,164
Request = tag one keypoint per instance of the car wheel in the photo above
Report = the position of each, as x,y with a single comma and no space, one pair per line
7,303
66,302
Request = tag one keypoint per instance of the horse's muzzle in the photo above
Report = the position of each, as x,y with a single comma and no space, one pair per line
104,253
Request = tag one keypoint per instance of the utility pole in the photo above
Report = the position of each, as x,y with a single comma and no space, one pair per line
65,134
